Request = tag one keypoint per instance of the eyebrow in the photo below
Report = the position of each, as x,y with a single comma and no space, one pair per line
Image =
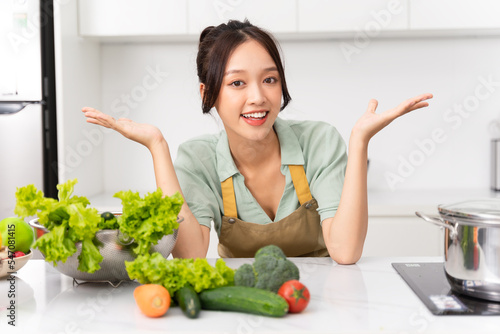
267,69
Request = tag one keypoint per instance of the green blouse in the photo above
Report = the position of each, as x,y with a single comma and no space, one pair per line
204,162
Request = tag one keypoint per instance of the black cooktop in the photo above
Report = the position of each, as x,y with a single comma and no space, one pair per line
429,282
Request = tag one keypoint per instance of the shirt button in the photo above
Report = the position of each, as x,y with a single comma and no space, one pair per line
231,221
308,205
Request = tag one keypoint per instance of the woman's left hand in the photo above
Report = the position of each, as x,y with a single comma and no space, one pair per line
371,123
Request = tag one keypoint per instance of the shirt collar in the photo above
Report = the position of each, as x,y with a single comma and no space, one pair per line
225,163
291,152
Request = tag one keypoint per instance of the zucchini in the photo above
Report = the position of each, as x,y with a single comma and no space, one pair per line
244,299
188,301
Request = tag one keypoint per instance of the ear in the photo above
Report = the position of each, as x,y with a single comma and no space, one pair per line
202,90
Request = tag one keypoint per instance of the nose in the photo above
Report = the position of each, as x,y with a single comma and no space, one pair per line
256,95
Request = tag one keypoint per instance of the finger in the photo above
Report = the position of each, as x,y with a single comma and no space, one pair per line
84,109
418,106
94,116
97,122
418,99
421,97
372,106
424,97
413,103
92,112
100,116
100,119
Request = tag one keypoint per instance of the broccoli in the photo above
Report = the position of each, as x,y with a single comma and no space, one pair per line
270,270
244,276
265,264
270,250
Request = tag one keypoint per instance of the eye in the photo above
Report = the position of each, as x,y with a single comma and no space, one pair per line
237,83
270,80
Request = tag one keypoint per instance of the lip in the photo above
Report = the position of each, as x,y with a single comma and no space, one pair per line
255,122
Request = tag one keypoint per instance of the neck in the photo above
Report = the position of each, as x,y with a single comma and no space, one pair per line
251,155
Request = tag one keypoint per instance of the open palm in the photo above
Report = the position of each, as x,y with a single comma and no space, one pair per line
144,134
371,123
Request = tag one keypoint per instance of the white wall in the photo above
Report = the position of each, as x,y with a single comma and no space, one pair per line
327,86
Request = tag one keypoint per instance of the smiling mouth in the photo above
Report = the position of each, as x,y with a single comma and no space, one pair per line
255,115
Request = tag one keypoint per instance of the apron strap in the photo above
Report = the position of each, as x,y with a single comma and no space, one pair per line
299,180
228,198
300,183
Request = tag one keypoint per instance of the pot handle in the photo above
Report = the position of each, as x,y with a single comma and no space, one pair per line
436,220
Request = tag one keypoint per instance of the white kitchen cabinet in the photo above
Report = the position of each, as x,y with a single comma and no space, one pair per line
403,236
99,18
371,16
77,85
277,16
454,14
170,20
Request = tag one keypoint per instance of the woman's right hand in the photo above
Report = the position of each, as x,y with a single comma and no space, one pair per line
145,134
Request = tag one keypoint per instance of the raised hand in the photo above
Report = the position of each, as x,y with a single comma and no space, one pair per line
371,123
145,134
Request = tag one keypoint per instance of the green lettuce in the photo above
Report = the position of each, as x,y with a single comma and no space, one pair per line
176,273
89,258
69,221
110,224
148,219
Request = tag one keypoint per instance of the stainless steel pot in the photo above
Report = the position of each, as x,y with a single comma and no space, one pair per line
472,246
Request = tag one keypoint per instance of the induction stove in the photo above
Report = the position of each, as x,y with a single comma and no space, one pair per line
428,281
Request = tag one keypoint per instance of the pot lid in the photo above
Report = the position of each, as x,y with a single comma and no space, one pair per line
482,210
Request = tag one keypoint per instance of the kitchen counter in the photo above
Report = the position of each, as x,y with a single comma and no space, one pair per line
406,202
368,297
398,203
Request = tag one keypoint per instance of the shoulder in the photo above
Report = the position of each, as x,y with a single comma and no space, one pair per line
202,142
300,126
314,132
320,143
197,150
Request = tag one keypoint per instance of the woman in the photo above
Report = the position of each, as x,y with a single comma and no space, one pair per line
263,180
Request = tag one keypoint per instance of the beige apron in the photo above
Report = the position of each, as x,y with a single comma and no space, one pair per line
298,234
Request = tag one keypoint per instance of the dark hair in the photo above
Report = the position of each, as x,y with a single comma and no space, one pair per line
217,44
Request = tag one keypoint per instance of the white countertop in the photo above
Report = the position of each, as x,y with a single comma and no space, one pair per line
369,297
400,203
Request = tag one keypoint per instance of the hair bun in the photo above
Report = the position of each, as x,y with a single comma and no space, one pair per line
205,32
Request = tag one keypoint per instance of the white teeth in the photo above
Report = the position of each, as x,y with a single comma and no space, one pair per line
255,115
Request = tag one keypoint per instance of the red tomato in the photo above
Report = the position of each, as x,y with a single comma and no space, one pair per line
296,295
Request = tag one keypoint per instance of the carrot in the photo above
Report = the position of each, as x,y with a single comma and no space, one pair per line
153,299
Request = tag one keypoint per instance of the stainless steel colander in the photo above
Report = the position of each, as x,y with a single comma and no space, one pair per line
114,250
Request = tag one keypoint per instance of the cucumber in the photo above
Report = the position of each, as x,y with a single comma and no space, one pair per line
244,299
107,215
188,301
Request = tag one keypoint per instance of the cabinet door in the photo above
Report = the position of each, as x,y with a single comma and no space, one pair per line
132,17
352,15
454,14
277,16
403,236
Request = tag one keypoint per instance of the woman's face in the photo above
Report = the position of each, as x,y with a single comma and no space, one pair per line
250,97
